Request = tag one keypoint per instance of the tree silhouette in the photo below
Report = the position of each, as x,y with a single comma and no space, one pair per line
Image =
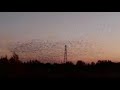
80,63
13,67
92,64
4,60
14,59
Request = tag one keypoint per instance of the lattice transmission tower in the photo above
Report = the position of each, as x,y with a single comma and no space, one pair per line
65,54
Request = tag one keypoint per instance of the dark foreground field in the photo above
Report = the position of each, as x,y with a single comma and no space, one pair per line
38,75
59,75
57,71
13,68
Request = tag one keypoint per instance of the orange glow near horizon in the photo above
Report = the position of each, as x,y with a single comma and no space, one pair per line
90,36
87,51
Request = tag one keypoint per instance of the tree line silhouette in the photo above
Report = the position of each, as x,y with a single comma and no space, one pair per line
14,68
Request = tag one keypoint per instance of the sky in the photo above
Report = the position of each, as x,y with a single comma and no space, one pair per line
90,36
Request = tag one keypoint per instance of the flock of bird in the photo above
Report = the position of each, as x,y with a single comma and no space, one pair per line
53,50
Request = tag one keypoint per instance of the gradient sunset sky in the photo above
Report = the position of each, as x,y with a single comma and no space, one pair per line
98,32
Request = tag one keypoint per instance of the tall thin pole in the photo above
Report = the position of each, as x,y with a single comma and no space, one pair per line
65,54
